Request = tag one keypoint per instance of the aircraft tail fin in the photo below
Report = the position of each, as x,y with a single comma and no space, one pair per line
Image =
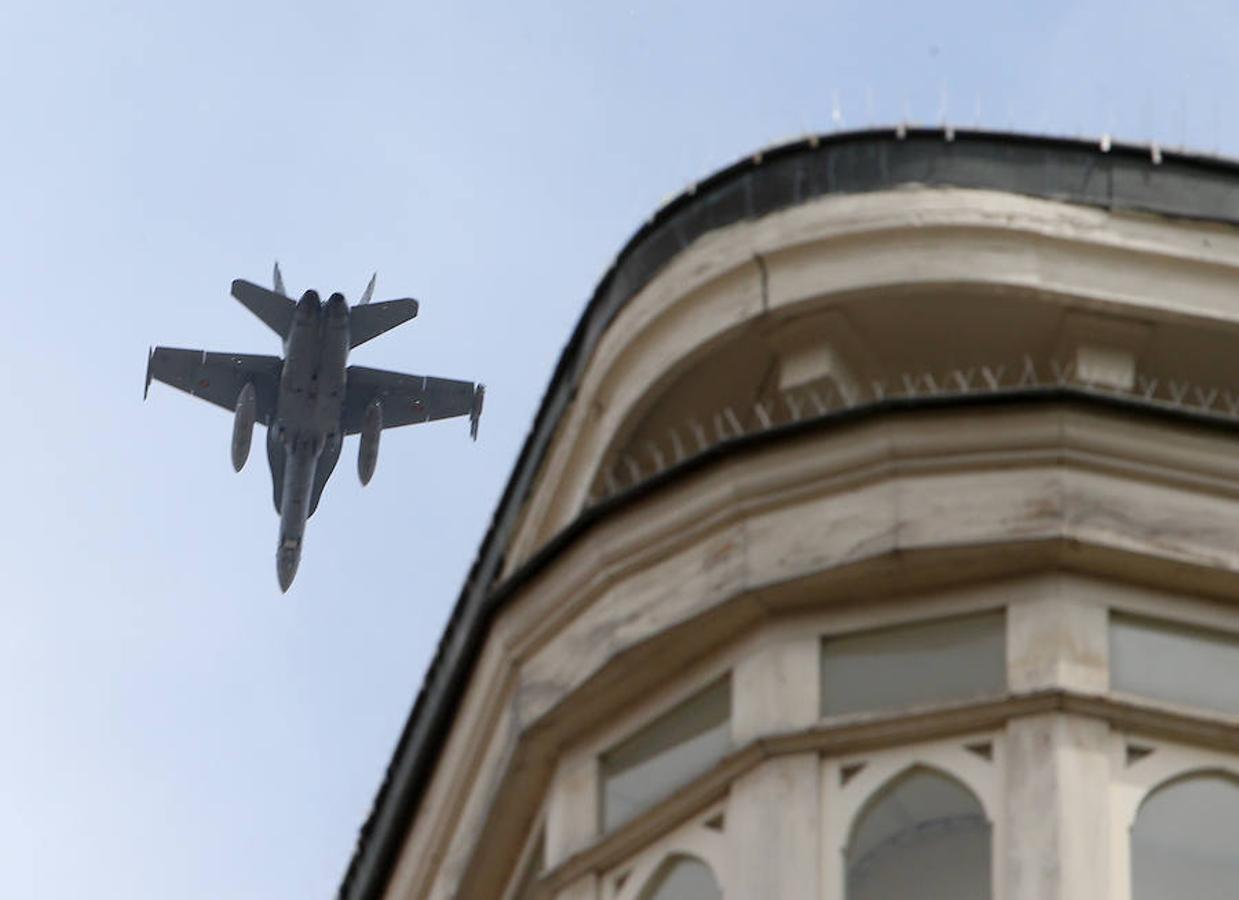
272,307
278,280
369,291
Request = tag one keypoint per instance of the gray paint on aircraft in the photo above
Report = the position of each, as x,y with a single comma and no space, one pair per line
311,398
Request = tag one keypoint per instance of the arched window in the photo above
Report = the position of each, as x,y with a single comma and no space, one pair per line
683,878
924,835
1185,842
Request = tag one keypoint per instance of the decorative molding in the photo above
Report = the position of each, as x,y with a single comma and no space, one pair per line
869,733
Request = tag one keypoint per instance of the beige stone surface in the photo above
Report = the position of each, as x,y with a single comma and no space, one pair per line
1056,514
776,687
774,829
1057,809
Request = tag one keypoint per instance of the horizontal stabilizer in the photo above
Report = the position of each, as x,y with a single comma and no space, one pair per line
274,309
371,320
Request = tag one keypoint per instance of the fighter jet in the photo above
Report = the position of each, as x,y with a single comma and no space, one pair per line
312,398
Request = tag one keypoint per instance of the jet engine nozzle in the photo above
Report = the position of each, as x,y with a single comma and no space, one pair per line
371,428
309,304
243,425
337,305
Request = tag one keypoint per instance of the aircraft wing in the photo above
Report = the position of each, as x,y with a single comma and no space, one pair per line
372,319
218,377
406,399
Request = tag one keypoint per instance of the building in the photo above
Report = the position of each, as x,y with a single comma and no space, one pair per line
878,537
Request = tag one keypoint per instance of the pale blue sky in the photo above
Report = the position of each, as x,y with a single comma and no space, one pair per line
173,725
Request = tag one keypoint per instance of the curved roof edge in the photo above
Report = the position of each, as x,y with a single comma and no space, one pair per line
1118,177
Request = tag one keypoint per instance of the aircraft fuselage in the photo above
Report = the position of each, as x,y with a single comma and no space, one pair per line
306,434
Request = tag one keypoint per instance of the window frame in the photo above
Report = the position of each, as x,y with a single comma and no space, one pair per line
727,681
1131,783
1170,623
998,612
845,799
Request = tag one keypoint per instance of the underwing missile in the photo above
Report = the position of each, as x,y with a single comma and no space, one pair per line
371,428
243,425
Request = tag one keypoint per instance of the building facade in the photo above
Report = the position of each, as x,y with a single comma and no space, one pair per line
878,537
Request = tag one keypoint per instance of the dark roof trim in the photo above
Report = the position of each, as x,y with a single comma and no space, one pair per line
1130,178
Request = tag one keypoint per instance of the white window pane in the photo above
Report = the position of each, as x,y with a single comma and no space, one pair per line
668,752
912,665
1173,662
686,878
1185,843
926,837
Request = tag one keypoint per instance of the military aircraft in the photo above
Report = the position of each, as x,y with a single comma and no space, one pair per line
312,398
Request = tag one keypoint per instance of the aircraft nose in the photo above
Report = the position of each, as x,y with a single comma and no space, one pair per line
286,562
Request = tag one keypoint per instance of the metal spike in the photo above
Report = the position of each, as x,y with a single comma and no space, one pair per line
993,377
1148,386
793,406
699,433
1204,399
1062,373
1028,378
817,402
759,409
369,291
1177,392
678,446
733,421
660,461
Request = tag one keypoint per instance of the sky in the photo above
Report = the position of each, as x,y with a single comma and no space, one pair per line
173,725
